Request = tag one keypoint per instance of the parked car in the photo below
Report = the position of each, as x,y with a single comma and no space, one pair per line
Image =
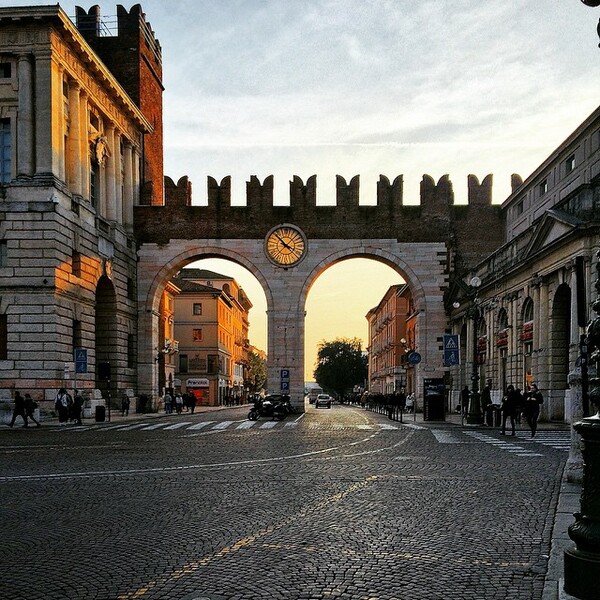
323,400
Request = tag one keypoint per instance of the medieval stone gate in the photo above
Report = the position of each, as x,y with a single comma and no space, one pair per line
287,247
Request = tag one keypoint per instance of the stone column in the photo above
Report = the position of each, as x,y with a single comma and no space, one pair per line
74,140
84,146
111,204
25,118
127,205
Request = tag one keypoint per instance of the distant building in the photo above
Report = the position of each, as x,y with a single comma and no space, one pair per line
391,339
211,325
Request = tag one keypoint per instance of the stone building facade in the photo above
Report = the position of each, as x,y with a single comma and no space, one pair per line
73,146
536,288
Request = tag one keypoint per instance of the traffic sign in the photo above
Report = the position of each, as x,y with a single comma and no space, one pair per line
80,360
285,386
285,374
414,358
451,350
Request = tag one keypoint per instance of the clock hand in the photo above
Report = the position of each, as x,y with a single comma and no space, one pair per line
285,244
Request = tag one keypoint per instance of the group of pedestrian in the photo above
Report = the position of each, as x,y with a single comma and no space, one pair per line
515,403
24,408
186,401
69,409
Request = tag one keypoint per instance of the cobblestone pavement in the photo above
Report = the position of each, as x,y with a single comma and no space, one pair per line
339,503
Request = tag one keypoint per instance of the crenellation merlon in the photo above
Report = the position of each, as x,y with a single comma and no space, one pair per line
434,197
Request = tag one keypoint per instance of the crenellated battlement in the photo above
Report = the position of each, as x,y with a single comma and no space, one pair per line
433,197
473,229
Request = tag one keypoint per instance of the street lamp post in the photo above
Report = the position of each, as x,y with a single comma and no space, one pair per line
475,415
582,562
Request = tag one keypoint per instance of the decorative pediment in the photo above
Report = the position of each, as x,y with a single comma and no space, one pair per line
554,225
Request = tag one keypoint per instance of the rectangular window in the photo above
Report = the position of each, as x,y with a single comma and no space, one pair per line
570,164
213,364
183,363
3,253
5,70
197,310
5,151
197,335
3,337
519,208
543,187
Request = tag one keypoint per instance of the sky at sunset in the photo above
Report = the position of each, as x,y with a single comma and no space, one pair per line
367,87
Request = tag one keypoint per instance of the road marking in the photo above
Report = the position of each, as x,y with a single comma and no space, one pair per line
502,444
445,437
152,427
246,425
269,425
222,425
202,425
178,425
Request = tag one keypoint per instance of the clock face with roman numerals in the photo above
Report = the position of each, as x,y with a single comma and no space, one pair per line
285,245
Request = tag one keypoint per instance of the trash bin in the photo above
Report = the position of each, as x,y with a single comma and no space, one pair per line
100,414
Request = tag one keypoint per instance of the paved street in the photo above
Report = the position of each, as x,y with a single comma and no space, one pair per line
338,503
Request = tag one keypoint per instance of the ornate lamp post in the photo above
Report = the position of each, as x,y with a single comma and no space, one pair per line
475,415
582,562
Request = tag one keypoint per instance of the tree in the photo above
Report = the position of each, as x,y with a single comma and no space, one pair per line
257,372
341,364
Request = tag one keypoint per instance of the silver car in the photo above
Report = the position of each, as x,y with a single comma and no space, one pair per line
323,400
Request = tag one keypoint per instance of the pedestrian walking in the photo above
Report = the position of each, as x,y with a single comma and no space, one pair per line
192,402
533,403
77,407
509,408
125,403
63,404
179,404
464,400
30,406
19,410
168,400
486,403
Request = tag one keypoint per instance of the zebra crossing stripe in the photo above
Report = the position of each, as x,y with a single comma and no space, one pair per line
201,425
155,426
178,425
128,427
269,424
222,425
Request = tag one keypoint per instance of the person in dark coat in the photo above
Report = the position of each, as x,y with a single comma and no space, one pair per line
509,408
30,406
464,400
533,402
63,405
19,410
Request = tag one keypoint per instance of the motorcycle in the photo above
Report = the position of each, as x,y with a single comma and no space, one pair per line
275,407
